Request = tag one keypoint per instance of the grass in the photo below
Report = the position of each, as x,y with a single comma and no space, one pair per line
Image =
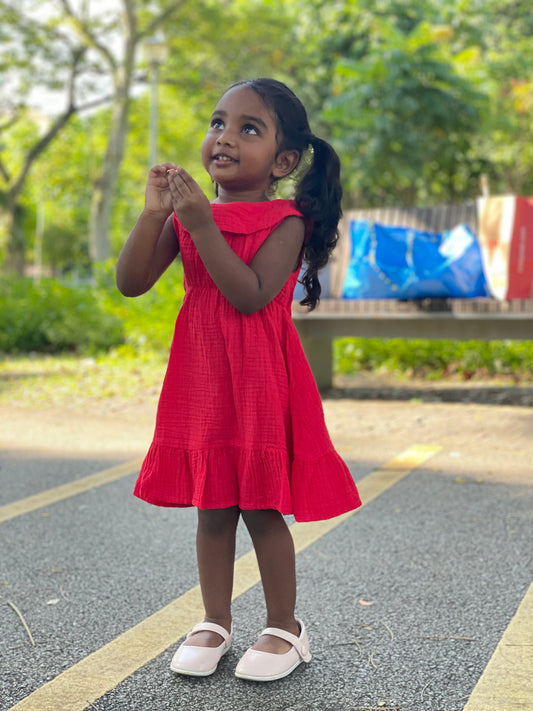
67,381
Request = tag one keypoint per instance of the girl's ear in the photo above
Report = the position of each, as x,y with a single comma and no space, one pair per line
285,163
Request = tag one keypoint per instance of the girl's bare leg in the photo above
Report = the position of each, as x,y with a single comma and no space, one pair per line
274,548
215,548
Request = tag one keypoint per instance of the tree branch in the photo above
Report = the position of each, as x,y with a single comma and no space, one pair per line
3,172
158,21
54,129
87,35
11,121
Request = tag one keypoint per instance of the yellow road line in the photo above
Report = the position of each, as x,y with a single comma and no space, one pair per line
369,488
65,491
507,682
78,687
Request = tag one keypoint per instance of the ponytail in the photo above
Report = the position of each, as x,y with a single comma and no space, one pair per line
318,197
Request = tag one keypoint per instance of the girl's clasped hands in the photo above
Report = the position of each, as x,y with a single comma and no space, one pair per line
170,188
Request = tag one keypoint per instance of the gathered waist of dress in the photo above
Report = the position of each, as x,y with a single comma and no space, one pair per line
216,298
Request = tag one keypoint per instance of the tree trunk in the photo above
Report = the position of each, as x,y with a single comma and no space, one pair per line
12,238
105,184
16,255
5,229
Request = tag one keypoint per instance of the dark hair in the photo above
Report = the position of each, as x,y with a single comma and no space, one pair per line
318,191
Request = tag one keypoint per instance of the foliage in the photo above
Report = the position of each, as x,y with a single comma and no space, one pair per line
434,359
506,62
36,57
215,42
148,320
398,110
54,318
218,43
420,97
51,317
408,82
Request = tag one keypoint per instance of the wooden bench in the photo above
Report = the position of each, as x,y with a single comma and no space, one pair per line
481,319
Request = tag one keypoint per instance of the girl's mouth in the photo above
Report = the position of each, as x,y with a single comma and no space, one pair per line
223,158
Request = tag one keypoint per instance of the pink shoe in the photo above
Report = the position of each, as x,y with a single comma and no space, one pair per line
265,666
201,661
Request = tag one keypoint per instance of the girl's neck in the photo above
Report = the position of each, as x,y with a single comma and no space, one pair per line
225,196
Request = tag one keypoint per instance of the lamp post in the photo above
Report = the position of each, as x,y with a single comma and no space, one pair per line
155,53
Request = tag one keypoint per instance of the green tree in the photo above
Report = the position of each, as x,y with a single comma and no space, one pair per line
505,65
419,96
382,81
113,42
211,44
404,119
54,61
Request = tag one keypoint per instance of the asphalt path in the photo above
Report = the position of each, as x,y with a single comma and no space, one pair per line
405,601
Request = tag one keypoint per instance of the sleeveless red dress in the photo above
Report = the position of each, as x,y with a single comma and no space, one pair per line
240,420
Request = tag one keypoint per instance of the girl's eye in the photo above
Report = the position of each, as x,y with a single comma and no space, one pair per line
217,123
251,130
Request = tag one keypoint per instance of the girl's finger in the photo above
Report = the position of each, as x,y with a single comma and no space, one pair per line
177,179
177,188
159,169
188,182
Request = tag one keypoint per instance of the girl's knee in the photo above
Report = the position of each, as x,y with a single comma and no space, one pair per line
217,522
263,521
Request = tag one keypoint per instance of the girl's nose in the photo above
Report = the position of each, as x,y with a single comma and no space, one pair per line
225,137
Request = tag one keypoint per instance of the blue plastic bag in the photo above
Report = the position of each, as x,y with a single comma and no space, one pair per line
402,263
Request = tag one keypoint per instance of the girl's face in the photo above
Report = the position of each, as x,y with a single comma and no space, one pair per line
240,149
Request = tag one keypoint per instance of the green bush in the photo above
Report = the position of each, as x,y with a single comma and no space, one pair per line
433,359
52,318
148,320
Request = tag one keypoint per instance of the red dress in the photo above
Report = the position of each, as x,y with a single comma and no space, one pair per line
240,420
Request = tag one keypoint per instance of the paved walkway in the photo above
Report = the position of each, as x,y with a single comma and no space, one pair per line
421,600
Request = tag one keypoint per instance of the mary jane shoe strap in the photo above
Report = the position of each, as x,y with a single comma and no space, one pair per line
299,645
210,627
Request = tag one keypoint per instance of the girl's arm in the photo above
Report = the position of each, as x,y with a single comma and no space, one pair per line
248,287
152,244
150,249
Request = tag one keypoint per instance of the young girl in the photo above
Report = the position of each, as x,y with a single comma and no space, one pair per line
240,430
